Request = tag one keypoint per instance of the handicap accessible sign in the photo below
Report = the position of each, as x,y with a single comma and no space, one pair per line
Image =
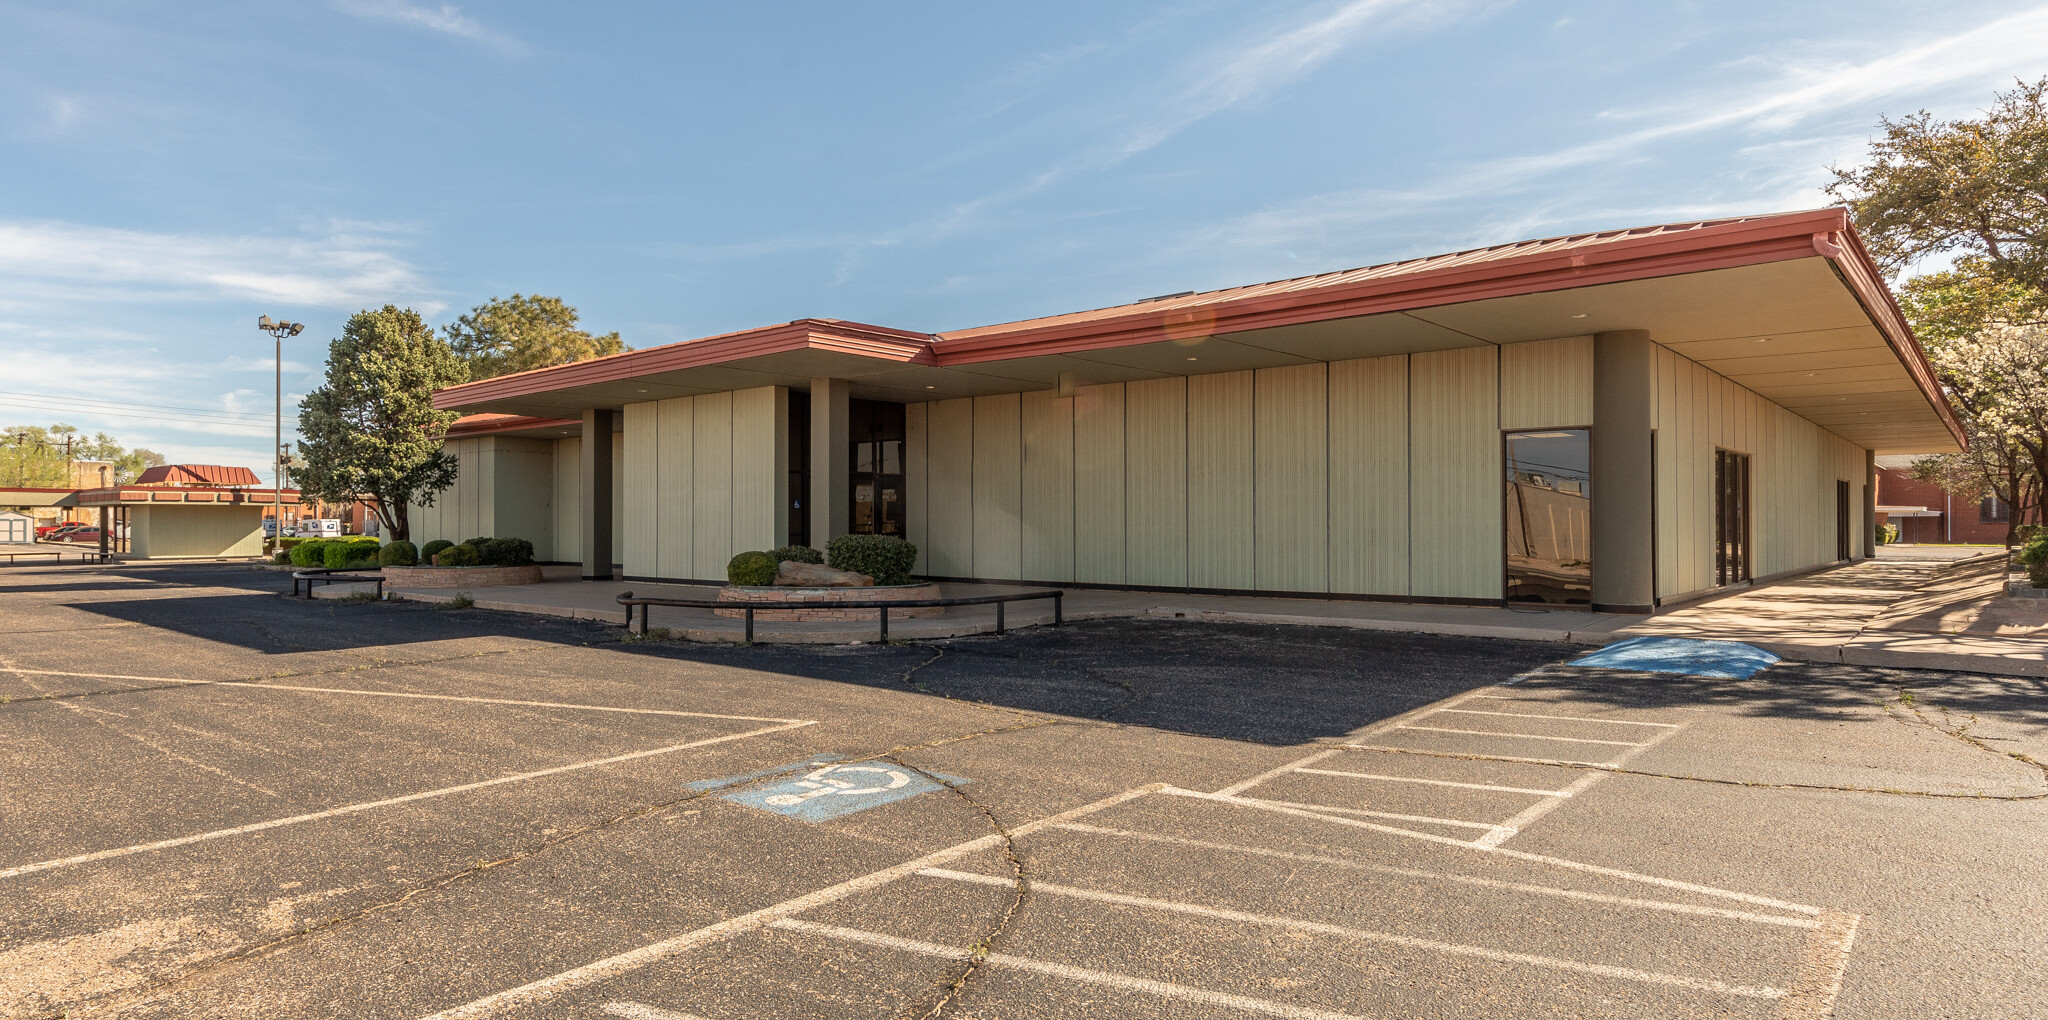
827,787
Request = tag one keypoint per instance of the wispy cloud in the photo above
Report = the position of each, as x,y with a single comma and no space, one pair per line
336,271
447,19
1810,93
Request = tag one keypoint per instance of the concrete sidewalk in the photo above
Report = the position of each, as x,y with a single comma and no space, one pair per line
1917,613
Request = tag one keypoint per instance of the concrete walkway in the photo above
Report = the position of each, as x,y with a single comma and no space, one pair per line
1934,613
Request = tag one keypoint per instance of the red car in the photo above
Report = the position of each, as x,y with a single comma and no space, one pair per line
43,530
73,532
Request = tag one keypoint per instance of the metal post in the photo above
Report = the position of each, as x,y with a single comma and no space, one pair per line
277,461
1058,613
750,625
885,625
999,616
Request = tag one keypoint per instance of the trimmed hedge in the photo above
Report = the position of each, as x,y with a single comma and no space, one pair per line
438,545
306,554
463,555
751,569
336,553
797,554
399,554
2034,557
885,558
505,552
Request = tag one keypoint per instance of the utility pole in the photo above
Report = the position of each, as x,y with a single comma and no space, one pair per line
278,331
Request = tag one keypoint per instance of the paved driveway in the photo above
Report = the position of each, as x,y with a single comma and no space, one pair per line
215,802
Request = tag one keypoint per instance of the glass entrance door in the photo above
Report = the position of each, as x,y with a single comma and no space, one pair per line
876,462
1731,517
1547,518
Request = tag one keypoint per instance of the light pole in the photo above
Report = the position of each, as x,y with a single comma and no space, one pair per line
278,331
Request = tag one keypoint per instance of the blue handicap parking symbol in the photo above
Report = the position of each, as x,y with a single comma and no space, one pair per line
826,787
1731,660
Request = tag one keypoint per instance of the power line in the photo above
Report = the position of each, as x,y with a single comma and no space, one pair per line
128,403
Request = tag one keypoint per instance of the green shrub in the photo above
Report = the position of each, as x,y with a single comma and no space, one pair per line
797,554
438,545
505,552
1887,534
399,554
751,569
283,557
338,553
463,555
2034,557
308,553
479,543
885,558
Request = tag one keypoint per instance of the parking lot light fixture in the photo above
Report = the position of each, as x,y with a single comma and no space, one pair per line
278,330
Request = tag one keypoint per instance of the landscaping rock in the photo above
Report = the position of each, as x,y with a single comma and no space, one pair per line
792,574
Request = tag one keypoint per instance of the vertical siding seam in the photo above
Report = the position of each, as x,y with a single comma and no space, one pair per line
1408,466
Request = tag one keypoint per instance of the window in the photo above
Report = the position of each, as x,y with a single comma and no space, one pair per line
1994,511
1546,519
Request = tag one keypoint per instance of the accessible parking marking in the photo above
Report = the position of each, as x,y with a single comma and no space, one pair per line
831,787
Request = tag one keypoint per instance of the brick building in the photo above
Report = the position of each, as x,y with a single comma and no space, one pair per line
1929,515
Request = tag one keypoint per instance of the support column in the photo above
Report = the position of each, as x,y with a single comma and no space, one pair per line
831,471
106,529
1869,503
595,492
1624,475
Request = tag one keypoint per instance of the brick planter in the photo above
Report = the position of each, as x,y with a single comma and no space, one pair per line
459,577
815,602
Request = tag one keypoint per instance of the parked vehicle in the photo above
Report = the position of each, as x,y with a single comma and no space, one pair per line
59,532
82,533
43,530
329,527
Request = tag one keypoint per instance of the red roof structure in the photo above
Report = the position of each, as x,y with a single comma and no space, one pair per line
199,474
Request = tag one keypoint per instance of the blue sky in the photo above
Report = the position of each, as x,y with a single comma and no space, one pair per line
170,171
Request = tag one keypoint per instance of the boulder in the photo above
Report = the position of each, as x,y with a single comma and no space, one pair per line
815,575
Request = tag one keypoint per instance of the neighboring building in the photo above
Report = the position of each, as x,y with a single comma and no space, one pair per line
181,511
16,527
1928,514
1621,418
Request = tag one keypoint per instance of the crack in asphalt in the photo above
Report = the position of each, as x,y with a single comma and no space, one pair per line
1911,702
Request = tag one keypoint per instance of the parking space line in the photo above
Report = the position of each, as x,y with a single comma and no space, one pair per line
1522,736
1820,972
634,959
1473,880
643,1011
1520,855
1240,787
1563,718
1436,782
1377,814
261,686
1163,989
1475,756
350,809
1381,937
1528,816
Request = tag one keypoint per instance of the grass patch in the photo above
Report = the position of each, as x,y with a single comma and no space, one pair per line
653,634
358,596
462,600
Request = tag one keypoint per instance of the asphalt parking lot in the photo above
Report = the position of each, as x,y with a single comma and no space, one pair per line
217,802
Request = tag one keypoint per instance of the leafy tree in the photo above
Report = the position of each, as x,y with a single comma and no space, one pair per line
33,456
519,333
372,430
1974,187
1992,361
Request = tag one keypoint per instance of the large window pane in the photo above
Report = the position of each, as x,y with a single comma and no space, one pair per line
1548,517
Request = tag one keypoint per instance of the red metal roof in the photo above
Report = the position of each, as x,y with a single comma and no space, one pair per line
199,474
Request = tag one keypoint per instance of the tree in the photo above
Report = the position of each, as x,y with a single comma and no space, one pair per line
519,333
1974,187
372,430
31,455
1992,361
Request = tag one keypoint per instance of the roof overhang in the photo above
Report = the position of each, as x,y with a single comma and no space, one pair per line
1789,305
182,495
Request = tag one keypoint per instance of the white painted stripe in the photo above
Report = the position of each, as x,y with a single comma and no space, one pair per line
1361,812
1595,869
350,809
643,1011
1163,989
1820,973
1435,782
1445,876
634,959
261,686
1381,937
1236,788
1523,736
1529,815
1564,718
1474,756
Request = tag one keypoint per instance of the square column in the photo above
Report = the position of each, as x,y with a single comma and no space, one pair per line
1624,479
1869,504
594,490
831,474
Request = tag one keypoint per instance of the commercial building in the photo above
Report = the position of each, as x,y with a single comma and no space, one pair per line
175,511
1927,514
1614,419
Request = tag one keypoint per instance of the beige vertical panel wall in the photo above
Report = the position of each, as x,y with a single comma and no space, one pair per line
505,487
1547,384
1369,476
1156,483
179,532
1099,485
704,478
1220,489
1291,500
949,487
1455,484
998,485
1794,465
1047,502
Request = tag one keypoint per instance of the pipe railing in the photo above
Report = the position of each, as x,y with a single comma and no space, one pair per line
57,556
628,600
